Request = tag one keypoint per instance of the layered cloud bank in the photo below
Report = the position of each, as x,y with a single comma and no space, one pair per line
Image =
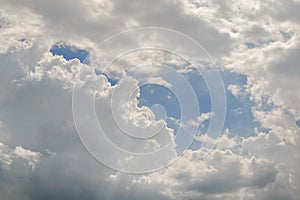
255,46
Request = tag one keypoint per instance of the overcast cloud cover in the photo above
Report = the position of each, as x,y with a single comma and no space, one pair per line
257,156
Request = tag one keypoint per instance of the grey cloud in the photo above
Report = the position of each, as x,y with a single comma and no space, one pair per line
65,19
285,11
171,14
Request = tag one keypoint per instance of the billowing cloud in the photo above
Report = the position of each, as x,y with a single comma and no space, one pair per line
41,155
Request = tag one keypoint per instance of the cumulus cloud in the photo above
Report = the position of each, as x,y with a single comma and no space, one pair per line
221,175
9,156
41,155
234,89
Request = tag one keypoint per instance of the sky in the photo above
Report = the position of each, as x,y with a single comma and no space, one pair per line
163,99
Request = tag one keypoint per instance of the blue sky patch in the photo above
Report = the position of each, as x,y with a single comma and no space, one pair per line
69,52
239,118
151,94
251,45
298,123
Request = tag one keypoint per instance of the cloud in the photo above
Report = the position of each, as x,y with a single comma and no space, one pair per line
9,156
234,89
41,156
222,174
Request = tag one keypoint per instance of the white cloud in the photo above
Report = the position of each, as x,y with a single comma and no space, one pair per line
36,114
234,89
222,142
221,175
9,156
200,119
